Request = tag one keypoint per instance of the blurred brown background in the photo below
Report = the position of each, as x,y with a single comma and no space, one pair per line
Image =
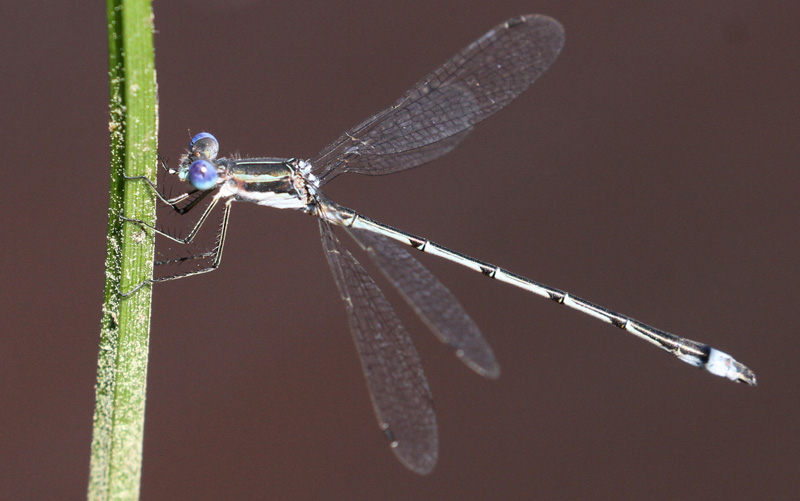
653,169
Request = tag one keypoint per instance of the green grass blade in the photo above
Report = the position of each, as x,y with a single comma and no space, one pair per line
124,338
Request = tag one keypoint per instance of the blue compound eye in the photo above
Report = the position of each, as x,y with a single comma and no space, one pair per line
202,174
204,145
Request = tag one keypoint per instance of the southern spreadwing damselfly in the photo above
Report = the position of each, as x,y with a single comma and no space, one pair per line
429,120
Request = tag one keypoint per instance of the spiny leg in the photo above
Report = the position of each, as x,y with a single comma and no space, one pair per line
216,252
174,201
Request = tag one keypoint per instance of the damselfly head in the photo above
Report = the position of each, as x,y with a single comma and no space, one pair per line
197,166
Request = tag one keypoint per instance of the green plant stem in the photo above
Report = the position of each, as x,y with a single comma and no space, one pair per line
116,456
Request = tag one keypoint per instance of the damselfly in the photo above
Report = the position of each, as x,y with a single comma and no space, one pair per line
427,122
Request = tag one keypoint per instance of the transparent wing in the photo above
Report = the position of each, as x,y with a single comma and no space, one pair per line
399,390
475,83
432,301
